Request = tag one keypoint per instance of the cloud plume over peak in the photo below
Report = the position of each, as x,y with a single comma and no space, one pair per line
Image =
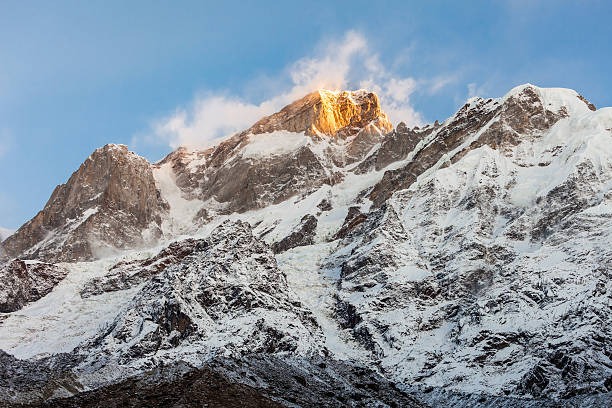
347,63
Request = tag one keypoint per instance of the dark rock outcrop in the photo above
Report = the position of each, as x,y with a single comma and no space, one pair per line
125,275
303,234
195,388
26,281
250,381
353,219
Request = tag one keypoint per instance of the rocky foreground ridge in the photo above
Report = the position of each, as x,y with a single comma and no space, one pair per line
323,257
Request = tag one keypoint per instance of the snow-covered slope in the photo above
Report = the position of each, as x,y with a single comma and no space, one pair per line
467,261
492,275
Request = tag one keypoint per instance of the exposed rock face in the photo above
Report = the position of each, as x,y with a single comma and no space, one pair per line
325,205
125,275
240,184
303,234
337,114
250,381
107,204
318,381
165,388
353,219
395,146
24,282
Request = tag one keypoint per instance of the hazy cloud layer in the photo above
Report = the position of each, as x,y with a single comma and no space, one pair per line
349,63
5,233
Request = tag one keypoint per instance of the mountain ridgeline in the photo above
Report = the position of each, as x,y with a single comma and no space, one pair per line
323,257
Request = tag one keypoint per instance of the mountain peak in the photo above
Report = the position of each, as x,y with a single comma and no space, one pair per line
106,204
331,113
552,99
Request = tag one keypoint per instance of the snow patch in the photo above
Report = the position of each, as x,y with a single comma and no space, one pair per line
273,144
62,320
180,219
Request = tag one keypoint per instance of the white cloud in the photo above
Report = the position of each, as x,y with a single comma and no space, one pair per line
211,118
346,64
476,90
435,85
331,70
5,233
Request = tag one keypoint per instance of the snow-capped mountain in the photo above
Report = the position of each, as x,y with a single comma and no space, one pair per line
323,257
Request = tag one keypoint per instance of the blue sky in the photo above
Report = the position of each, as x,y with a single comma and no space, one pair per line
154,74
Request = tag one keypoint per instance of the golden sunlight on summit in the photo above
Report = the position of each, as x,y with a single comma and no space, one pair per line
331,113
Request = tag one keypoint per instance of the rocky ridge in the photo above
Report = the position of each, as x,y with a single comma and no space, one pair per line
110,203
227,315
227,294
